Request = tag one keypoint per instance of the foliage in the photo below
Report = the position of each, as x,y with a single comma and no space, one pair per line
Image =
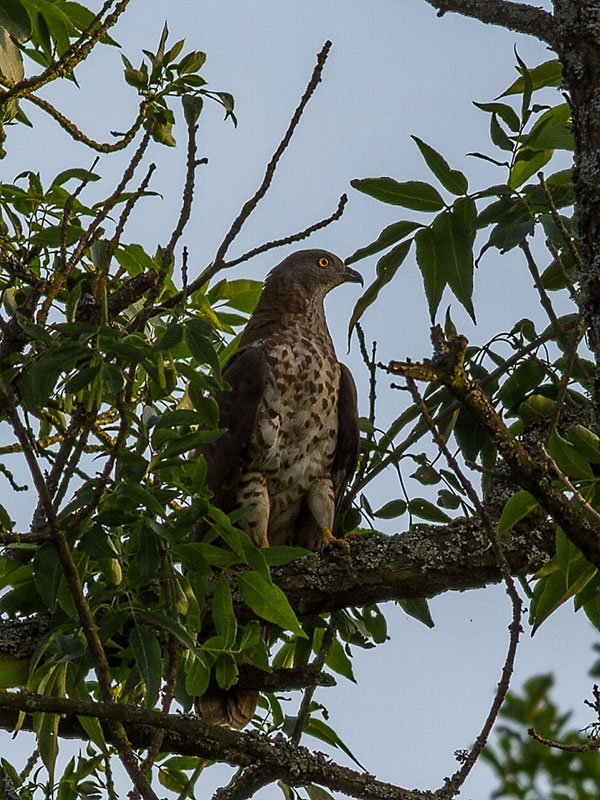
527,769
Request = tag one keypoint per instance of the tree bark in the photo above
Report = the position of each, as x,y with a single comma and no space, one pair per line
578,23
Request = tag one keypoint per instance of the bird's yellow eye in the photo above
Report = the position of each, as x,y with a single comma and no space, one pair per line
323,262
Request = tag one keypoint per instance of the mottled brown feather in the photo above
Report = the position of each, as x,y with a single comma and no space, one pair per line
289,313
246,373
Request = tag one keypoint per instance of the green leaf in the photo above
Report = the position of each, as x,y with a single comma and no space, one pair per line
391,509
451,179
417,195
551,130
146,651
91,725
586,442
82,379
388,236
169,339
75,173
527,87
268,601
47,739
499,136
445,256
568,458
320,730
38,383
197,677
170,625
432,272
505,112
13,671
336,659
419,609
11,60
191,556
527,163
112,378
51,236
14,17
197,339
173,419
387,267
191,62
453,241
226,671
516,508
423,509
240,543
547,74
316,792
280,555
142,497
48,571
552,590
527,376
222,612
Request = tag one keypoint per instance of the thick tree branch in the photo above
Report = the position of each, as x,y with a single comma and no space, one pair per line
514,16
293,764
423,563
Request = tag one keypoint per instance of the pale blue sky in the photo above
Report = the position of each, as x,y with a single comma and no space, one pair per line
395,68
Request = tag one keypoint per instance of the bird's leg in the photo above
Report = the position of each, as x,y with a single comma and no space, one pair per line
320,500
252,492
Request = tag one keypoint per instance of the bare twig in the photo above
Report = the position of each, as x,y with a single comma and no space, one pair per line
93,230
251,204
317,663
452,785
566,375
68,441
568,748
263,248
73,131
568,485
294,237
560,224
544,299
246,784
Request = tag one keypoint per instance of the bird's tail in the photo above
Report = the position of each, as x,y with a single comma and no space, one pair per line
232,707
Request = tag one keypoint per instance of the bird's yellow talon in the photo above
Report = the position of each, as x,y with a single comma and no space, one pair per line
329,540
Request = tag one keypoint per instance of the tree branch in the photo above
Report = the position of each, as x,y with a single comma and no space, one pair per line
514,16
446,368
423,563
291,763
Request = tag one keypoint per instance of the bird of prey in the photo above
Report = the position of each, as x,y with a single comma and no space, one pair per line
291,416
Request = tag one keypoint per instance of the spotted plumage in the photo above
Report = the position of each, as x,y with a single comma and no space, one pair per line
291,417
292,440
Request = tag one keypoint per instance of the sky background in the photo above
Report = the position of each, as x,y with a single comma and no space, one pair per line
395,69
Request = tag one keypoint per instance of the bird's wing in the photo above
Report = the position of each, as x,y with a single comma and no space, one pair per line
246,373
348,439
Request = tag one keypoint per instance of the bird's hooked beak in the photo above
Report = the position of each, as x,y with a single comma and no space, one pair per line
352,275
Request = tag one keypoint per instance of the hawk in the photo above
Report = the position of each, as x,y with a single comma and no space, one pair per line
291,416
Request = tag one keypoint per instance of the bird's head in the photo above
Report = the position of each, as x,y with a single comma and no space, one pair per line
316,271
